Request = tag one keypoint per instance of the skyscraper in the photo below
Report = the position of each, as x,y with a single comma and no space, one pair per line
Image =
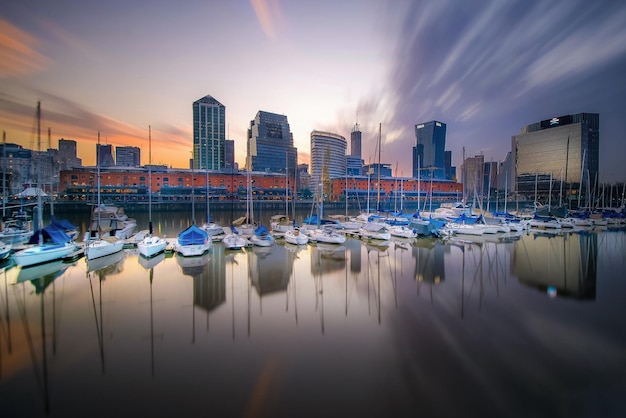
429,152
355,160
229,155
105,155
127,156
67,154
565,147
209,133
328,159
355,141
271,144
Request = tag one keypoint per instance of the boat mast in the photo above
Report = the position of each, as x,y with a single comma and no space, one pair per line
4,174
39,202
193,196
98,181
206,180
286,184
582,173
150,181
379,146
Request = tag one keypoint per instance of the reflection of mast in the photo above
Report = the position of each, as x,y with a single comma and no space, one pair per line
42,378
99,324
8,317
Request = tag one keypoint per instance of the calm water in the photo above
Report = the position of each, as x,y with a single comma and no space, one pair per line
532,326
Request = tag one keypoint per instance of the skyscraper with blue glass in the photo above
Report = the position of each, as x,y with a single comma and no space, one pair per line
429,152
270,144
209,133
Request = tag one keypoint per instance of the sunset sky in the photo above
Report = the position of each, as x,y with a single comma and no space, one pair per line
486,68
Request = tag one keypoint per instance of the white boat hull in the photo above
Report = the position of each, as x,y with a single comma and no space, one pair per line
262,241
102,247
296,237
328,236
193,250
151,246
39,254
234,242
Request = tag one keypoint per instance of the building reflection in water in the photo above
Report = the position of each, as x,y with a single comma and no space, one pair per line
354,248
269,269
429,261
564,264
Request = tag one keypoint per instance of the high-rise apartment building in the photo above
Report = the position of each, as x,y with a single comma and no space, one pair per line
473,175
354,161
229,156
328,159
355,141
271,144
429,151
127,156
104,154
565,147
67,154
209,134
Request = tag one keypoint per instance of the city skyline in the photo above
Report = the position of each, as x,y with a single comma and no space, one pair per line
486,69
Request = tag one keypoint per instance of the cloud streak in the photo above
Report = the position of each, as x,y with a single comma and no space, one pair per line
18,54
267,12
71,120
490,67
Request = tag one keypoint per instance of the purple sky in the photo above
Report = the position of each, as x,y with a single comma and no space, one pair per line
486,68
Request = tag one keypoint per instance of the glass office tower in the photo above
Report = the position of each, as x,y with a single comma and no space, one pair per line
271,144
560,154
209,134
429,153
328,159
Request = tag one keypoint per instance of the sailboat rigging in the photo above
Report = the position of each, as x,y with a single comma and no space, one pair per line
152,244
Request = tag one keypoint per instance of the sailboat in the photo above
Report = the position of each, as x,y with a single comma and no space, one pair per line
323,233
375,228
245,224
193,241
14,231
151,245
282,223
58,244
212,228
101,246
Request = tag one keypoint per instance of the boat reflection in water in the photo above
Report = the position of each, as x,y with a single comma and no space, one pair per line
41,277
565,265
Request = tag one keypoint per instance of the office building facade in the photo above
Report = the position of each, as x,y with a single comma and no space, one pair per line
561,149
67,154
429,151
355,141
104,155
270,144
209,134
328,159
127,156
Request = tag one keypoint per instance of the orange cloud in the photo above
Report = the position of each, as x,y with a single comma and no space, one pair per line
69,120
267,13
18,56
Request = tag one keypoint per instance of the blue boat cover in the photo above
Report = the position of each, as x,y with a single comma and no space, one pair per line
50,234
63,223
192,236
261,230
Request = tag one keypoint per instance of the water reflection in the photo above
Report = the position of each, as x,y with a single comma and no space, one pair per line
269,269
149,264
563,265
330,323
41,277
